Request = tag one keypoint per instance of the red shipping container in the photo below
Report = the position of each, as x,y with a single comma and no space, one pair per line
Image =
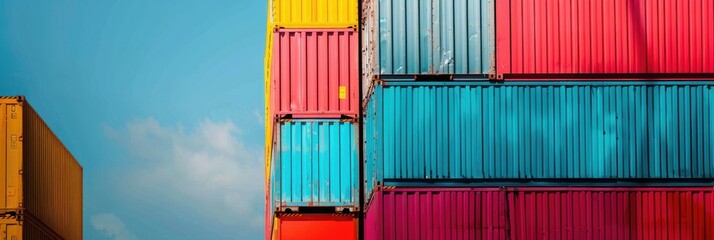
315,73
632,39
611,213
436,213
315,227
541,213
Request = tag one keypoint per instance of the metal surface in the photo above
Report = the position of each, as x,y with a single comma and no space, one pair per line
313,227
428,37
315,73
437,214
541,213
604,37
542,131
40,175
611,213
316,164
314,13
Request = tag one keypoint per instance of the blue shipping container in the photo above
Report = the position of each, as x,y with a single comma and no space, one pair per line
539,130
316,164
428,37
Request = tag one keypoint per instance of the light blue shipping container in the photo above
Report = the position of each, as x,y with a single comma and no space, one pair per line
428,37
316,164
540,130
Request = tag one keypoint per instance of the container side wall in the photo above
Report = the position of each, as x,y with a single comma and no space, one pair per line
433,37
311,227
431,131
437,213
52,178
315,13
541,213
315,73
316,164
604,37
618,213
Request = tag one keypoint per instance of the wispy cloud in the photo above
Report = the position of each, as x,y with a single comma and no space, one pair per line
209,169
111,226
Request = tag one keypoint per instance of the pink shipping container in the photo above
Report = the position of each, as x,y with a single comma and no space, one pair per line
436,213
541,213
599,38
315,73
611,213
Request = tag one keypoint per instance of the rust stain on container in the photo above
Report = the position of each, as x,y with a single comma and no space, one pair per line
42,180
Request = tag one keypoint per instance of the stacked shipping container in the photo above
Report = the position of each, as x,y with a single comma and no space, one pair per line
312,152
41,180
612,96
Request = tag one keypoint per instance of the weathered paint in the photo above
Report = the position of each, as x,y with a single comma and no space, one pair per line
437,213
316,164
541,213
604,37
315,227
428,37
314,13
41,179
539,130
315,73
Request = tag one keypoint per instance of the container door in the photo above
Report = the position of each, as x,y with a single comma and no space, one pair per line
11,155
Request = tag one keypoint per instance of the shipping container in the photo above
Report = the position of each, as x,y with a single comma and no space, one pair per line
41,179
314,13
541,213
431,131
428,37
596,38
316,165
611,213
315,73
437,213
315,227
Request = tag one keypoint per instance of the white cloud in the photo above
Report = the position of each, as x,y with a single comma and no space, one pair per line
209,169
111,226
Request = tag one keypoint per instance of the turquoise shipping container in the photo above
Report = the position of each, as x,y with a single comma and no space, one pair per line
315,165
533,131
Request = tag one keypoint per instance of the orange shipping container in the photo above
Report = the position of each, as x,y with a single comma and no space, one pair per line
315,227
42,180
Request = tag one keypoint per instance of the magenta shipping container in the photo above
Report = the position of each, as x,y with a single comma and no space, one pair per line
315,73
595,38
436,213
541,213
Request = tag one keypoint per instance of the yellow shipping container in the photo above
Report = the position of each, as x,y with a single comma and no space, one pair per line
42,180
315,13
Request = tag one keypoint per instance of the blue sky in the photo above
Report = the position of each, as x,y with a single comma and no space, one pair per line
160,101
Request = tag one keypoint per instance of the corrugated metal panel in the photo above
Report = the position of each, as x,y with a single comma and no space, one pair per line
311,227
614,213
437,214
316,164
556,130
605,37
315,73
315,13
542,213
435,37
53,178
41,175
